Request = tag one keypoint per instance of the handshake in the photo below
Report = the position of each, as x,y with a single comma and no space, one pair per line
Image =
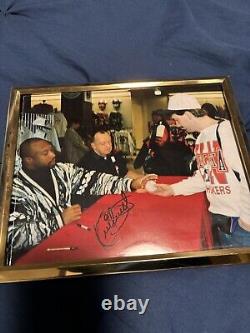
148,184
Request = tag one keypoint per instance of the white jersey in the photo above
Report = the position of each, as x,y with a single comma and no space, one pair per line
216,165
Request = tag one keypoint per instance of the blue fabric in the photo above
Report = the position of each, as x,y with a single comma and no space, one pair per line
240,236
73,42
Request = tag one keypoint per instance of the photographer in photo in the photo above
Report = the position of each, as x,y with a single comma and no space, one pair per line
162,155
220,172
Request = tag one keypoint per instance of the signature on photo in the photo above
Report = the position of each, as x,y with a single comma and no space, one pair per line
112,220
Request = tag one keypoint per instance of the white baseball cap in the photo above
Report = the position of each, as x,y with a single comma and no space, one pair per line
182,101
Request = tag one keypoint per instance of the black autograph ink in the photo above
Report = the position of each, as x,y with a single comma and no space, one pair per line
111,221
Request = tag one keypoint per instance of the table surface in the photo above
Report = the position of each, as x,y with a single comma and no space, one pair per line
132,224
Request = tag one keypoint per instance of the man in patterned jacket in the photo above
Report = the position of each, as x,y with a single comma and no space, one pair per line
42,190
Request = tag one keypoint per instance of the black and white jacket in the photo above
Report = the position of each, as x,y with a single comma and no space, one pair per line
36,215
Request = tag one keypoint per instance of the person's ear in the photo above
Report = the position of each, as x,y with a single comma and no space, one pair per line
28,160
92,145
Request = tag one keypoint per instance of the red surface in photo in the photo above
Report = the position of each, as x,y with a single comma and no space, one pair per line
134,224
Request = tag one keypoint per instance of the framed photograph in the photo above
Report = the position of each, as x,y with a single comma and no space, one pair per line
123,177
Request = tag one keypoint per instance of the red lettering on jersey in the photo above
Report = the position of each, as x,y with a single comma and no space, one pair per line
211,162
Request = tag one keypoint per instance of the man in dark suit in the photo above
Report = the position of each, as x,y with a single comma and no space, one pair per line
102,158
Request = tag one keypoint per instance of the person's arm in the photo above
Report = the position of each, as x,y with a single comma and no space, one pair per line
26,229
19,236
71,213
191,185
92,182
133,174
232,158
187,186
229,148
109,184
27,225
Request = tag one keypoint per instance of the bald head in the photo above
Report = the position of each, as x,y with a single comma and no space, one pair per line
102,143
37,153
25,149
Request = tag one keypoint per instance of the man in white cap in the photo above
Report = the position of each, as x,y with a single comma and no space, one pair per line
220,172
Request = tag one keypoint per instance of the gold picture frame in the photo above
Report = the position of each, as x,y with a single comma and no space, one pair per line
62,254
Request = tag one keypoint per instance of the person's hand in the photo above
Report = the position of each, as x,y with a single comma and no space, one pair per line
140,182
71,214
163,190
